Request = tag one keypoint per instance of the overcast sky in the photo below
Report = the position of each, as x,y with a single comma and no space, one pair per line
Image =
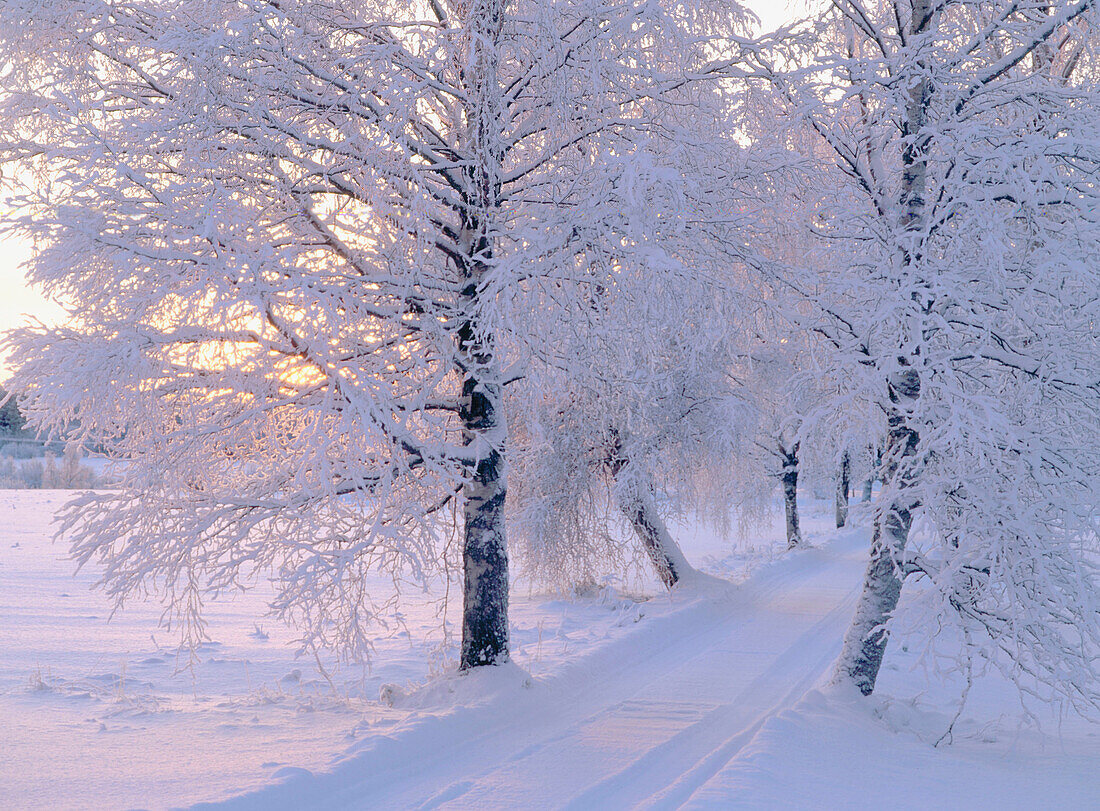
18,302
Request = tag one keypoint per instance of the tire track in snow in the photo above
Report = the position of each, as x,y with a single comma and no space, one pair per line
430,755
598,686
825,639
642,721
688,741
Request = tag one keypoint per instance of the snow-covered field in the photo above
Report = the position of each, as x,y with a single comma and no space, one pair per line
704,699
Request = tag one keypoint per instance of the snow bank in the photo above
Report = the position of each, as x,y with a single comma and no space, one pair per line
844,751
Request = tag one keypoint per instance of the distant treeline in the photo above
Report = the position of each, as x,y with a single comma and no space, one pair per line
27,462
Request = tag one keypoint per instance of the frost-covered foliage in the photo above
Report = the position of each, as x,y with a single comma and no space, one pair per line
961,299
320,255
648,424
639,414
802,408
306,245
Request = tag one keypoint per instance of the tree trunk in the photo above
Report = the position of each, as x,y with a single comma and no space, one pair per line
637,505
876,472
789,477
665,554
842,485
485,548
865,641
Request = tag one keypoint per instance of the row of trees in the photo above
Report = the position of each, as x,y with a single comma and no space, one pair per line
344,274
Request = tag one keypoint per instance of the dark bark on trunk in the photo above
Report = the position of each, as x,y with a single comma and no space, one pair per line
485,549
485,546
789,477
636,504
655,539
842,484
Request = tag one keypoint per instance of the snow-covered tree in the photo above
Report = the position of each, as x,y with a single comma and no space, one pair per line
618,445
300,243
963,304
782,396
642,415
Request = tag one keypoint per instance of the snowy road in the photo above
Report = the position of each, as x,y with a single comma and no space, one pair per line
690,701
645,721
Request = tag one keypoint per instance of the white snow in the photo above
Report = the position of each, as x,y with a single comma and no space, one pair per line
706,698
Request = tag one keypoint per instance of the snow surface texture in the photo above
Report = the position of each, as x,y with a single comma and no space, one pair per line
703,699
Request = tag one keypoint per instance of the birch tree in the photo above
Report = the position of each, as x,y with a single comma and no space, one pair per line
965,311
296,240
